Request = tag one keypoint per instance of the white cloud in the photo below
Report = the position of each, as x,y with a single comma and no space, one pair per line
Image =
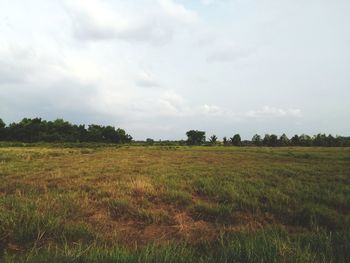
229,54
178,11
207,2
146,80
265,112
171,104
94,19
269,112
211,109
155,24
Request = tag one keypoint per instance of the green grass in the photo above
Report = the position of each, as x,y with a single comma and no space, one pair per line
179,198
269,245
174,204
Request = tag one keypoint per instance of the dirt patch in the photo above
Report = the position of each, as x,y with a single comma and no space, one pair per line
182,227
133,233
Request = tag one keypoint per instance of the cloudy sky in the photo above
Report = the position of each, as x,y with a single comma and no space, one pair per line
158,68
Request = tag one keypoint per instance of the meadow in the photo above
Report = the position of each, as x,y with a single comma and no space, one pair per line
174,204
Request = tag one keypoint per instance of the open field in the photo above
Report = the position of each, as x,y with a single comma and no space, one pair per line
174,204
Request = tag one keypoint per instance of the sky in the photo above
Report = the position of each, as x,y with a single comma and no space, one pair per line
158,68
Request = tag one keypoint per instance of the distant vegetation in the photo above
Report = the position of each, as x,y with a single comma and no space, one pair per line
38,130
198,138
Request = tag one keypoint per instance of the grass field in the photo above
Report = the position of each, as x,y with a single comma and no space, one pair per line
174,204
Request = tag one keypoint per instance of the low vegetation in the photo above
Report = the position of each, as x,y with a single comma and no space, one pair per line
174,204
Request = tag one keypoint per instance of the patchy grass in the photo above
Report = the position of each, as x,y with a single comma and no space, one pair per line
174,204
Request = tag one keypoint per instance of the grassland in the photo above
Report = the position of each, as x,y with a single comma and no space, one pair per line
174,204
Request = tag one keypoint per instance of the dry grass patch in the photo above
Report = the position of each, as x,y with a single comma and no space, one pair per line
141,186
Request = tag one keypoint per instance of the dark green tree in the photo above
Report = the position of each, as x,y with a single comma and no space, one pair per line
34,130
270,140
224,140
305,140
195,137
236,140
256,140
128,138
2,124
273,140
320,140
2,130
123,137
95,133
331,141
283,140
295,141
266,140
213,139
149,141
109,134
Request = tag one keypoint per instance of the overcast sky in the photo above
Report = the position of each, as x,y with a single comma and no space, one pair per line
160,68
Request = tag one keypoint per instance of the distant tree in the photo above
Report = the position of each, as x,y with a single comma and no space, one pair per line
270,140
33,130
2,130
62,130
256,140
213,139
273,140
331,141
149,141
224,140
305,140
195,137
2,124
81,133
236,140
340,141
283,140
128,138
266,140
94,133
109,134
295,140
27,130
123,137
320,140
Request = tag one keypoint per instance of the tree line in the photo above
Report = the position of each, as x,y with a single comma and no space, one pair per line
38,130
59,130
195,137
